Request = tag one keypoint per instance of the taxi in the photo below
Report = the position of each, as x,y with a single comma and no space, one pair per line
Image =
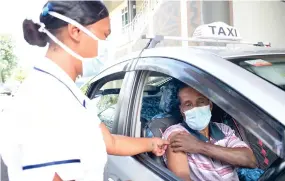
137,96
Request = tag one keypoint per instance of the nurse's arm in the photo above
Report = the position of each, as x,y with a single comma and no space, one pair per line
129,146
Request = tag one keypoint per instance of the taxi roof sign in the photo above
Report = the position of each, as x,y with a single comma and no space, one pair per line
217,31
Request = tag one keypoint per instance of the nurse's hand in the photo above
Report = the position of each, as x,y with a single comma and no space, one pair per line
129,146
159,146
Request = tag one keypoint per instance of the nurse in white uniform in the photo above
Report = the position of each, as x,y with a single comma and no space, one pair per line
49,133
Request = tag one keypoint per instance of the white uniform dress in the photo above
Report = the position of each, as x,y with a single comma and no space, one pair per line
48,129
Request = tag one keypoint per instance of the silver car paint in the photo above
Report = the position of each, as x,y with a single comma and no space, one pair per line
127,169
211,61
265,95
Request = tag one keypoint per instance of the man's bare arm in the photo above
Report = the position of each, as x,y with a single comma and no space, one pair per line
177,162
243,157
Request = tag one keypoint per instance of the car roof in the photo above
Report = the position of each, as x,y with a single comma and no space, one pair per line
213,61
223,52
228,53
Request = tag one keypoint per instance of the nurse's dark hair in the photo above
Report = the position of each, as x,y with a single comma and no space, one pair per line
84,12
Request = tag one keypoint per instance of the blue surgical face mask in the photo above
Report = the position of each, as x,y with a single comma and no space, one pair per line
198,118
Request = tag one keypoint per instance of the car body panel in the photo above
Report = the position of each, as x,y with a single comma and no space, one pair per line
229,53
122,167
116,166
222,95
246,83
133,170
213,62
245,112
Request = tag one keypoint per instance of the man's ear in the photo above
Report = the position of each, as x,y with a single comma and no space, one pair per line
211,105
181,112
74,32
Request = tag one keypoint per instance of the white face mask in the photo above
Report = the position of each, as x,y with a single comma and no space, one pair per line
90,66
103,47
198,118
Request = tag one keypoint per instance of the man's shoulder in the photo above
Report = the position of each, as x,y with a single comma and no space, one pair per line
224,128
173,129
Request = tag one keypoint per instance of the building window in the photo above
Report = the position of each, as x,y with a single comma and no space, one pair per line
125,16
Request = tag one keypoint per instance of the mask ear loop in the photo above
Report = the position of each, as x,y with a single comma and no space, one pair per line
42,29
71,21
53,38
78,25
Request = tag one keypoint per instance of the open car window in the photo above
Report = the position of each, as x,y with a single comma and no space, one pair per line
107,102
270,68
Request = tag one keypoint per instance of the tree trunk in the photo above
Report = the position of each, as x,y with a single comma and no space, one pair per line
2,76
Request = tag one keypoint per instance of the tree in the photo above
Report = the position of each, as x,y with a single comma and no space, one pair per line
85,88
8,59
19,74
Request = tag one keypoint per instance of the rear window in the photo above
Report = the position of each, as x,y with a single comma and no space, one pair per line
271,69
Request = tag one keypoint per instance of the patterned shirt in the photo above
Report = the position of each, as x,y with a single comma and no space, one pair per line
203,168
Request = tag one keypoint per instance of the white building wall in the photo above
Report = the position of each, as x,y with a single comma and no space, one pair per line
116,35
260,21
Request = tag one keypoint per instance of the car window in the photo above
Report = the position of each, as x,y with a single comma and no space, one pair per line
270,68
115,84
161,110
106,102
261,132
152,95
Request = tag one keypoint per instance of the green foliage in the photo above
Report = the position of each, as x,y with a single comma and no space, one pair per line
8,59
107,101
20,75
85,88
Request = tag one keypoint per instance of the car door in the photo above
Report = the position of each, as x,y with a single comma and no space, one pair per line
110,95
253,118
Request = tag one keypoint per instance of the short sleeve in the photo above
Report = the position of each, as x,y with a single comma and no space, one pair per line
232,141
91,106
166,135
9,148
172,129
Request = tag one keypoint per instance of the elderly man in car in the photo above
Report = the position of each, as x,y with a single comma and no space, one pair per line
203,150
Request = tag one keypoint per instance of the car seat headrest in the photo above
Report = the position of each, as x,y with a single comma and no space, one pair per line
158,125
169,100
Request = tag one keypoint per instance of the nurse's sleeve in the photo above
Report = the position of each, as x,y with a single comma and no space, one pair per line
94,154
10,149
11,157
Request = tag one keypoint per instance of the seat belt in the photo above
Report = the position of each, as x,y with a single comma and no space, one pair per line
195,133
214,130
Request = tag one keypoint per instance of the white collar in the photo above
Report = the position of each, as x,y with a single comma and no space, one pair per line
48,66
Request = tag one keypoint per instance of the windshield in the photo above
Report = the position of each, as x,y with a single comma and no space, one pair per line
270,68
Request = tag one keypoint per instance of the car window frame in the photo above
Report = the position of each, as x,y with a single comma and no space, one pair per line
237,60
110,74
122,66
222,95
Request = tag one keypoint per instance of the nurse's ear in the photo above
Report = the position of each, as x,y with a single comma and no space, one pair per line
74,33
